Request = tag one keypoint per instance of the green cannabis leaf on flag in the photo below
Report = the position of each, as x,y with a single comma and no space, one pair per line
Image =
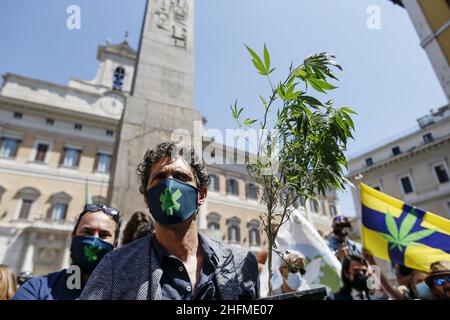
169,201
401,237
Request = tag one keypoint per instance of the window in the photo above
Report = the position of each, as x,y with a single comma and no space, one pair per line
441,173
427,138
302,201
26,198
41,152
103,162
77,126
213,226
232,187
109,133
254,237
369,162
17,115
9,147
314,206
214,183
119,75
406,184
71,157
296,203
49,121
252,191
59,211
253,232
333,211
234,231
25,209
396,151
213,221
234,234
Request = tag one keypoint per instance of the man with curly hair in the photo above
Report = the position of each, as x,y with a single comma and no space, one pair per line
176,262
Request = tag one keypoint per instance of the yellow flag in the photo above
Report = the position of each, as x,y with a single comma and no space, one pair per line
393,230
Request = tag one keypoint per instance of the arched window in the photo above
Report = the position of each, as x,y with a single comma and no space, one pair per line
253,232
234,230
119,76
232,187
213,220
60,203
302,201
314,206
252,191
333,211
214,183
26,198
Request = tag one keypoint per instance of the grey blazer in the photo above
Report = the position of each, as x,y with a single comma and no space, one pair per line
133,273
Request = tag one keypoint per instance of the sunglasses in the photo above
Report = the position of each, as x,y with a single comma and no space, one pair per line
440,281
295,269
113,212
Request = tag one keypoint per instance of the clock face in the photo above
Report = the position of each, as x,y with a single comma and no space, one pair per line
112,103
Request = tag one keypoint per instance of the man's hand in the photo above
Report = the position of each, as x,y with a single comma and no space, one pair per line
342,251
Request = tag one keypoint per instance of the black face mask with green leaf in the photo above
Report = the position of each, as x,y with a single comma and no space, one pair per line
86,252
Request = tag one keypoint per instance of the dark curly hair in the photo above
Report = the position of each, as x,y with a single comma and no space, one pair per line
137,219
170,149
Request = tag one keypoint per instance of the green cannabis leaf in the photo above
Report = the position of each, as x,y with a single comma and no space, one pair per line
401,237
169,201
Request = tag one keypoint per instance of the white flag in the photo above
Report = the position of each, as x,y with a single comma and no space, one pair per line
322,267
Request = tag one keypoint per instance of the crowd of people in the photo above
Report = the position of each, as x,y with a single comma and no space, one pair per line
358,280
161,255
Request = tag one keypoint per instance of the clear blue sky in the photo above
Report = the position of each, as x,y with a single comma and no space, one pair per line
387,76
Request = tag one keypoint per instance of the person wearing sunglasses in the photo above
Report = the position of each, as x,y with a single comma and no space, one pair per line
439,280
176,262
96,233
339,243
292,270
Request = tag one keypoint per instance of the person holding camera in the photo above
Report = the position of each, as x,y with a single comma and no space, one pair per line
339,243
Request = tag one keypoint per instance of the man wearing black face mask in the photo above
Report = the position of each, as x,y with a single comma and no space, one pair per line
339,242
354,275
95,234
176,262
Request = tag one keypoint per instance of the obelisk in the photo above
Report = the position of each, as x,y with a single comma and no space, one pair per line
162,96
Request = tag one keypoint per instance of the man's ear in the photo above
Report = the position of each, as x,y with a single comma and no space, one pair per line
202,195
